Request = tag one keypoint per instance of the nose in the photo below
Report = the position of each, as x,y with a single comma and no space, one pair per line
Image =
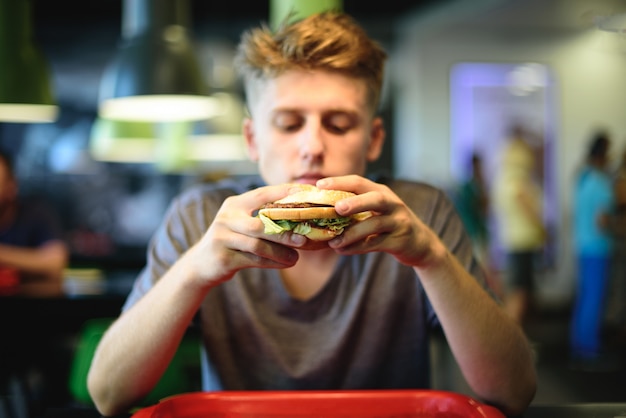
312,140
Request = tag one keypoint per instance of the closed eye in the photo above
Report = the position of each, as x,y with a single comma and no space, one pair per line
339,123
288,121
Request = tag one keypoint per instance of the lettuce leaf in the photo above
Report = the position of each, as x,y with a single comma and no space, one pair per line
272,227
302,228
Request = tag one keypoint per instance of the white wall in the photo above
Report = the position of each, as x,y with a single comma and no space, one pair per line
590,70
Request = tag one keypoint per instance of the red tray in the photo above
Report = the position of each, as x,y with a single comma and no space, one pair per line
326,404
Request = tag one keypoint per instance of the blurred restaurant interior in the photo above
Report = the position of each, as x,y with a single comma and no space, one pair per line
461,72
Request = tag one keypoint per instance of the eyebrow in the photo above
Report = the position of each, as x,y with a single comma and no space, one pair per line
325,111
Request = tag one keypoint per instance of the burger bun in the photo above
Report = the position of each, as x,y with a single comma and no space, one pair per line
300,214
305,194
311,194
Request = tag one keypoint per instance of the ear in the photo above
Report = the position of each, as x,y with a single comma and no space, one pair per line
248,134
377,139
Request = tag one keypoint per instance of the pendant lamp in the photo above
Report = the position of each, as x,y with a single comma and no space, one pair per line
25,87
155,75
280,9
171,141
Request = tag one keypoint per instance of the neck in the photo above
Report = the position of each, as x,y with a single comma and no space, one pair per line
310,274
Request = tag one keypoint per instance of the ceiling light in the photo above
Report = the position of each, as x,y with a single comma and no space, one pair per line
160,107
155,75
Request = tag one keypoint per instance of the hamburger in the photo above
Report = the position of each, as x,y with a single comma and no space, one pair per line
310,212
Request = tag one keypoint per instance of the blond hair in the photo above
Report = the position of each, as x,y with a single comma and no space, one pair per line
328,41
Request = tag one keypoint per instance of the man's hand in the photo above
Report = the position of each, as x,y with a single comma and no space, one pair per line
235,240
395,229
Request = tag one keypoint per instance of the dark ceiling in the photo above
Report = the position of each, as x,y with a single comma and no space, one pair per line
79,37
65,10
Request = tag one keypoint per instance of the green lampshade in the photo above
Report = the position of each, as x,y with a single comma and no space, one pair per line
280,9
25,88
155,74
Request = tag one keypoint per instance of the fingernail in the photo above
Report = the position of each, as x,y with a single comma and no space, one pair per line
297,239
335,242
322,183
341,206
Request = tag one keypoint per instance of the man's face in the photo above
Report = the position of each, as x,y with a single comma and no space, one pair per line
310,125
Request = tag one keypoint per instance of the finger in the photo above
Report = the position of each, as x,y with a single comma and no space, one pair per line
251,226
360,231
254,199
242,260
253,260
371,196
271,255
371,243
350,183
253,252
376,202
288,238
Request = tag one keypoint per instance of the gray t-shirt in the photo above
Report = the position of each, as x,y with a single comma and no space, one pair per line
367,328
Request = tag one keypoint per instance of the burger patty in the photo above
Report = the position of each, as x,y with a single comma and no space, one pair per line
294,205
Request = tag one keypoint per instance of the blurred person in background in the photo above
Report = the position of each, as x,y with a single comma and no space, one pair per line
616,295
33,251
33,256
592,208
472,202
518,208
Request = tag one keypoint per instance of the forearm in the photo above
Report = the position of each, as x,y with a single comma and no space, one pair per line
491,350
137,348
48,260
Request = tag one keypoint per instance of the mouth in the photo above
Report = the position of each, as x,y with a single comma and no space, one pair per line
311,178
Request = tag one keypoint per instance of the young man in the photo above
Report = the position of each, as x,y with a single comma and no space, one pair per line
354,315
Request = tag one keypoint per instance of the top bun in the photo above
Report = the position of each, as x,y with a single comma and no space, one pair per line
300,214
308,193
